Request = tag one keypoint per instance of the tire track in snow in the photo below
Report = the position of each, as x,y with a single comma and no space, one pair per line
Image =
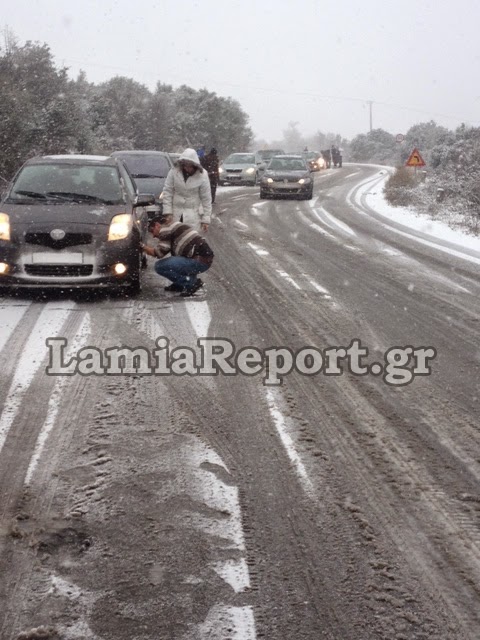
54,401
48,324
9,319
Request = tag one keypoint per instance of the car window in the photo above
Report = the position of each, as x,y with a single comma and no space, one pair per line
128,182
92,181
145,166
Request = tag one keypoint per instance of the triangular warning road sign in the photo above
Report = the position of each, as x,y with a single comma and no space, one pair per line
415,159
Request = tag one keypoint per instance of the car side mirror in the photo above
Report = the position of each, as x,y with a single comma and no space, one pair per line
144,199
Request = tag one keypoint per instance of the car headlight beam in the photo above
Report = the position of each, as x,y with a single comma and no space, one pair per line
120,227
250,170
4,226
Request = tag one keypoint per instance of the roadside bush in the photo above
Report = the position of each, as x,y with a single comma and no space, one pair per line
399,189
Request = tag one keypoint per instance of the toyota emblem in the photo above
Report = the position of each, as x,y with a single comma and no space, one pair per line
57,234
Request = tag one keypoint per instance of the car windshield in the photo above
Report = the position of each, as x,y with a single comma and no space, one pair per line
145,166
287,164
240,158
67,182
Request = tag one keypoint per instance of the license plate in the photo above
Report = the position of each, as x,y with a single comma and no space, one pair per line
57,258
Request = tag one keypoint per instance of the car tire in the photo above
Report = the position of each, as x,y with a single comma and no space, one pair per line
263,195
135,282
309,195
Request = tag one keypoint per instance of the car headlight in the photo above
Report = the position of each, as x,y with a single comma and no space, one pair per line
304,180
269,180
120,226
160,197
250,170
221,170
4,226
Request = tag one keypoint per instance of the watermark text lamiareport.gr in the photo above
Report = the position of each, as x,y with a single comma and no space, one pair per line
218,356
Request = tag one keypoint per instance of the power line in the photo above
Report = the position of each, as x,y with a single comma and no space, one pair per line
308,94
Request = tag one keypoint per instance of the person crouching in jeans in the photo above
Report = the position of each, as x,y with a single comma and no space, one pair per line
189,252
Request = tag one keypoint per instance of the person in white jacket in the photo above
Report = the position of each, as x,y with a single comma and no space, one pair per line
186,193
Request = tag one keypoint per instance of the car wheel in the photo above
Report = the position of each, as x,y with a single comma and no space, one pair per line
309,195
263,195
134,282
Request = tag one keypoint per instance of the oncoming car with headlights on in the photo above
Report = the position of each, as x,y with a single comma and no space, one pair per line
241,168
287,176
72,222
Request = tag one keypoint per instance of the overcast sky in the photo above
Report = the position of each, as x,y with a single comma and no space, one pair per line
314,62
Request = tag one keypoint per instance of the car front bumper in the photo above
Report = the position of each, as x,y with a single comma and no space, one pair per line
286,188
75,267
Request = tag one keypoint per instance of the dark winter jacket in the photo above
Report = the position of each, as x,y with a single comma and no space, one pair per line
180,239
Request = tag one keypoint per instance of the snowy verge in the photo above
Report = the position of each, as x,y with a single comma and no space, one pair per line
372,192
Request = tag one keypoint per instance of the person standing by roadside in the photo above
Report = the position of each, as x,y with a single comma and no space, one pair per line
211,164
186,193
190,254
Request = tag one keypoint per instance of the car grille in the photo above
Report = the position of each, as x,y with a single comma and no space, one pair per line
70,240
59,270
229,171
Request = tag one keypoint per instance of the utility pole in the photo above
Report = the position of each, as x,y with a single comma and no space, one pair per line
370,103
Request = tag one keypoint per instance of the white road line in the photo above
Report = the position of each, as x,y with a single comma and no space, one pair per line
320,229
48,325
334,221
350,175
317,286
200,317
234,572
240,223
54,401
281,427
224,621
258,250
9,319
288,278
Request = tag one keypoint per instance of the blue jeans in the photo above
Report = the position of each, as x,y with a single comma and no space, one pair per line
181,271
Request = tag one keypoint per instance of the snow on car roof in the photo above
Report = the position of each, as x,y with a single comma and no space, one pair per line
77,156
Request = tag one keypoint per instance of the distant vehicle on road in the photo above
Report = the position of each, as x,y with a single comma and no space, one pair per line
72,222
314,160
287,175
149,170
241,168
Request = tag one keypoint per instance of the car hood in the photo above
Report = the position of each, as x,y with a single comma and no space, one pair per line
67,215
241,165
282,175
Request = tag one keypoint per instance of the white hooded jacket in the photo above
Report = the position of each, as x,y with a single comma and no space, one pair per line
190,198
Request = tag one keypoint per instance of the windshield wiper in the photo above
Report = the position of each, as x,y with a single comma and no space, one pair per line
145,175
75,197
31,194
